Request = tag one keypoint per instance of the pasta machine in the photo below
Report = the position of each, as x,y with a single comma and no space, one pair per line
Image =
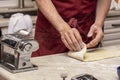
16,50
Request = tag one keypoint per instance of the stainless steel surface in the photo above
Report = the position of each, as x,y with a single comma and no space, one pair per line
21,3
13,70
1,16
8,3
111,32
26,3
16,50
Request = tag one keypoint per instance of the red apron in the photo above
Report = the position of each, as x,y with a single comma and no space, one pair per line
48,37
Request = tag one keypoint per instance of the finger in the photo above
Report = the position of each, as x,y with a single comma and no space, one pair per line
75,43
95,41
69,41
90,33
66,43
90,45
78,38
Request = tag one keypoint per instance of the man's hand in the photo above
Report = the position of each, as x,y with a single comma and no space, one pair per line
72,39
97,34
96,28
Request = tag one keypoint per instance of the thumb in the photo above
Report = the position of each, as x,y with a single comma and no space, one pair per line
91,31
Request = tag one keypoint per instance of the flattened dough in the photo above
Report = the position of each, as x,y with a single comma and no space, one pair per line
98,54
80,54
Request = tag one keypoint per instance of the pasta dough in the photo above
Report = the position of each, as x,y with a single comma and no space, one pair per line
97,54
80,54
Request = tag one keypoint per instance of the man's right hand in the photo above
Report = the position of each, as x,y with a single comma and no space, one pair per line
72,39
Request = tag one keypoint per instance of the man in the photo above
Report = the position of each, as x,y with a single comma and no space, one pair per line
64,25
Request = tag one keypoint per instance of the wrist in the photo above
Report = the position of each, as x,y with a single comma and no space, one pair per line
62,28
98,24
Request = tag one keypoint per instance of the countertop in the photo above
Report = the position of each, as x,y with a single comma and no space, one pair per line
10,10
52,66
114,13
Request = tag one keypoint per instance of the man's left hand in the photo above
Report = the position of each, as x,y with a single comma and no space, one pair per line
96,33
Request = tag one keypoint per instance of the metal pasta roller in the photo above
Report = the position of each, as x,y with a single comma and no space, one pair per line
16,50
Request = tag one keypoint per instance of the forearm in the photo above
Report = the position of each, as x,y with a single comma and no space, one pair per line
101,11
49,11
